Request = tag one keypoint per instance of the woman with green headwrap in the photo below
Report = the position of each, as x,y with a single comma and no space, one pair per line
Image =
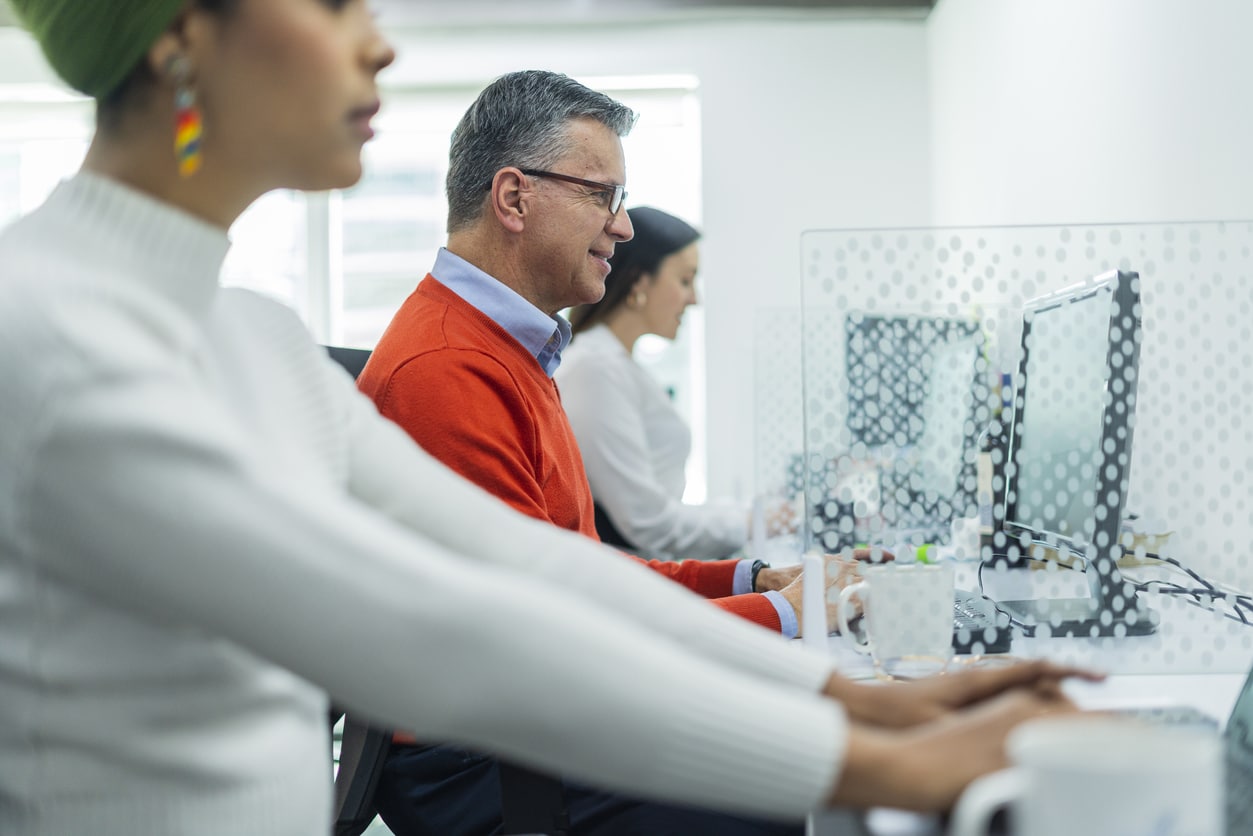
204,528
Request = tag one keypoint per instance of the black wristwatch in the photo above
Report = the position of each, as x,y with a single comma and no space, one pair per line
754,571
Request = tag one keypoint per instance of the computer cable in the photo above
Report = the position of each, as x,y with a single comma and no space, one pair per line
1238,602
1198,596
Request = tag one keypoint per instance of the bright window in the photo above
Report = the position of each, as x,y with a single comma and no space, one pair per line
346,260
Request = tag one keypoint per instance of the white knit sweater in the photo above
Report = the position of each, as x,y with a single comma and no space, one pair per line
200,519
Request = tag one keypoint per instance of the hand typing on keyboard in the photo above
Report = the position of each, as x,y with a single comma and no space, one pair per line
903,735
904,704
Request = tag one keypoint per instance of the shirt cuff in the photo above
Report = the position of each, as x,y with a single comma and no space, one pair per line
742,580
787,616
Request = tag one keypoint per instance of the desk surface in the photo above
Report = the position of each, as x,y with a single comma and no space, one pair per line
1213,693
1189,640
1197,658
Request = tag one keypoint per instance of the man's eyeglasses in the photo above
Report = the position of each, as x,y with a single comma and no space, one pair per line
611,196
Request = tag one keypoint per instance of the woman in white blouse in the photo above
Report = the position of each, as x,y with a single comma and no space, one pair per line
634,443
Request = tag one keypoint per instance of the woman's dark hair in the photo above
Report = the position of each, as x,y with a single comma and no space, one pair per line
657,235
141,80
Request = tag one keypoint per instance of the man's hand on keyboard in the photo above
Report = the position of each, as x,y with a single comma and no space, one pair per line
904,704
841,570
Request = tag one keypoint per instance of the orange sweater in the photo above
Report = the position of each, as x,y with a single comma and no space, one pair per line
478,401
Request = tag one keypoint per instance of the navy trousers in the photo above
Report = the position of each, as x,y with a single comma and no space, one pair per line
444,791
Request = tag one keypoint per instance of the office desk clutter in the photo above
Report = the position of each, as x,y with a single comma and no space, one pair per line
1097,450
1057,417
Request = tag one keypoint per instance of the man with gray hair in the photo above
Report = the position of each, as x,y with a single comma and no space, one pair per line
535,193
535,200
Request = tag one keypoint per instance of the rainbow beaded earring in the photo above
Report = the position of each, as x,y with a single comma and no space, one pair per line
188,126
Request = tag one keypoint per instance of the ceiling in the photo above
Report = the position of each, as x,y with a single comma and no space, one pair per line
470,12
478,12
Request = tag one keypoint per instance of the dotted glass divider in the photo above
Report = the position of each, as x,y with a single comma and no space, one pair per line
777,419
906,334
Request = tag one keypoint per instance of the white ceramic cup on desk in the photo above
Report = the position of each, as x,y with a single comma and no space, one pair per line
1085,775
908,611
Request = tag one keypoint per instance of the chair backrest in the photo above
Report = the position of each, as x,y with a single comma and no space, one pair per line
361,753
608,532
352,359
531,802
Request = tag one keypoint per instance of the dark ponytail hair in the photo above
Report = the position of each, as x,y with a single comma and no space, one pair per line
657,235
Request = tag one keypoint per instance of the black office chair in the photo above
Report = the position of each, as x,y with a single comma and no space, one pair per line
352,359
530,802
362,750
608,532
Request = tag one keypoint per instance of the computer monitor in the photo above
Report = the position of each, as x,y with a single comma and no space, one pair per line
915,384
1070,450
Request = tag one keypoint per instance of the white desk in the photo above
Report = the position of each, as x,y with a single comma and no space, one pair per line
1212,693
1196,658
1189,640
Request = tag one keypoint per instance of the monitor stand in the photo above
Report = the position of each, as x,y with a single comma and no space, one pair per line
1081,617
1086,617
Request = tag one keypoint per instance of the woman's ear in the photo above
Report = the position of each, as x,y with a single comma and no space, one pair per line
179,40
162,54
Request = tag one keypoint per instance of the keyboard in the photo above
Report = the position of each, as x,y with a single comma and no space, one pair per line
978,627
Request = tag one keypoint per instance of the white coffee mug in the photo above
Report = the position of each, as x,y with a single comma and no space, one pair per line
908,616
1087,775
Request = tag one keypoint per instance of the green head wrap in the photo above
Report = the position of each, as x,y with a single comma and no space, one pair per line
95,44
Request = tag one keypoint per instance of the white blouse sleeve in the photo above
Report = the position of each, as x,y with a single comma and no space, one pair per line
604,398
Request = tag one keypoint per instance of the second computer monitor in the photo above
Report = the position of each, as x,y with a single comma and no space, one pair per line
1070,449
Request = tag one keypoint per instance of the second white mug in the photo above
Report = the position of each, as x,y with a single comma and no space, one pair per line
908,616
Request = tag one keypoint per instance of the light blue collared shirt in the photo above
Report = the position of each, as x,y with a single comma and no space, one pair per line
543,335
740,584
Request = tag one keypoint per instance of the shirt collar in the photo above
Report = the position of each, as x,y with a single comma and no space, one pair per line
544,336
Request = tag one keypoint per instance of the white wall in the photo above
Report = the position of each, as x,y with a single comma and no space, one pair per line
1075,111
806,123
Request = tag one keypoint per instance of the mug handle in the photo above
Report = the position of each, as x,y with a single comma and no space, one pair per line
982,798
841,614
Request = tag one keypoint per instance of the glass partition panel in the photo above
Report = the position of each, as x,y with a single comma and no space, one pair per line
779,440
1060,410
